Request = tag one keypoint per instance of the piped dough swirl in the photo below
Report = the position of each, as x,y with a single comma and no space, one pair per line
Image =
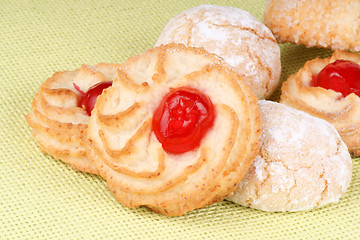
58,124
128,155
342,112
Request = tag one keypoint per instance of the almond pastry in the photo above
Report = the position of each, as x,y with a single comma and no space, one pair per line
343,112
325,23
236,36
302,164
131,158
59,124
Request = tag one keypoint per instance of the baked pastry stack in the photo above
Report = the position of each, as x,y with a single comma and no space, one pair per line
180,126
331,24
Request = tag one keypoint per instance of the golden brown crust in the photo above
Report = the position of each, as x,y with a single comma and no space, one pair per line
57,123
325,23
342,113
137,169
236,36
302,163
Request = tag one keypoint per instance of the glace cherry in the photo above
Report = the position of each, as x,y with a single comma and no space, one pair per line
87,100
341,76
182,119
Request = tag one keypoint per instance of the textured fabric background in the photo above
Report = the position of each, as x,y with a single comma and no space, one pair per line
42,198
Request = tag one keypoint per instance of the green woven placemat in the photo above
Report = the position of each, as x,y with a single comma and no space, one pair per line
42,198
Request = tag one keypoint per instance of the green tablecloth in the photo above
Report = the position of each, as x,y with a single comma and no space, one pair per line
42,198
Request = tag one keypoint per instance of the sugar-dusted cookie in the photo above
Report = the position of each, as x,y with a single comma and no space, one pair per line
177,130
302,164
236,36
330,89
58,120
325,23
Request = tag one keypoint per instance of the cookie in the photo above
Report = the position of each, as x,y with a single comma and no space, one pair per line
302,164
236,36
177,130
58,122
340,109
328,24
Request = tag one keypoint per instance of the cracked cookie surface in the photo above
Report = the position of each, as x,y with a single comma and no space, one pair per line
302,164
235,35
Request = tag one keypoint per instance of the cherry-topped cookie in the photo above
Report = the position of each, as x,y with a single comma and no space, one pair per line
61,109
176,131
330,89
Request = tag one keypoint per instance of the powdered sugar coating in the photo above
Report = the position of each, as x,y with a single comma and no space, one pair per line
236,36
326,23
303,163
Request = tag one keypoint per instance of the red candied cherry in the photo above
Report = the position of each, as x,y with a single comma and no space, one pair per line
88,99
341,76
182,119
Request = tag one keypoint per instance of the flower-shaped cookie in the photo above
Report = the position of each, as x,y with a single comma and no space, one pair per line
191,83
59,123
342,111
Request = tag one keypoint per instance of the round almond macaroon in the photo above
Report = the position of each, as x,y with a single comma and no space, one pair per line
176,131
313,23
236,36
59,121
302,163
